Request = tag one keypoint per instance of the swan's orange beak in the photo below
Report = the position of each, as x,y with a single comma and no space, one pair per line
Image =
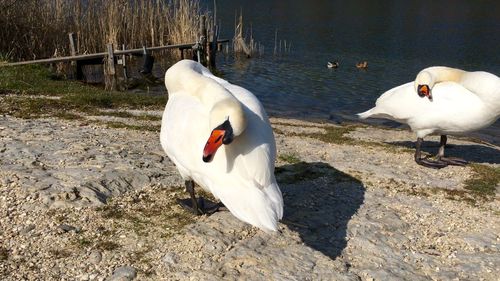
424,91
213,143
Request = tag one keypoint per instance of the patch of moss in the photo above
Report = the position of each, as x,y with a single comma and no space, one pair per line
484,182
303,171
68,116
336,135
109,100
460,195
148,117
289,158
36,80
121,125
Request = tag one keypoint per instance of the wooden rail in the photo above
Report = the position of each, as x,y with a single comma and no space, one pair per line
105,54
204,50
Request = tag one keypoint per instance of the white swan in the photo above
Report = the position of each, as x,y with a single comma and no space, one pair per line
458,102
219,136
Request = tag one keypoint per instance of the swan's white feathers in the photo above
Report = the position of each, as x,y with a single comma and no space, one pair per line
459,107
241,174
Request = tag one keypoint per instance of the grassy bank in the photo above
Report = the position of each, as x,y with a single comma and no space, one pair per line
33,91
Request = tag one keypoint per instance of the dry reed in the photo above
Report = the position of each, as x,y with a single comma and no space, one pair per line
240,44
38,28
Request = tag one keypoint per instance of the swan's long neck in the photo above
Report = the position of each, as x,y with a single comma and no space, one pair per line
484,85
188,79
438,74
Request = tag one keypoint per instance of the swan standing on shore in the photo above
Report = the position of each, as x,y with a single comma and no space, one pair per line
219,136
441,100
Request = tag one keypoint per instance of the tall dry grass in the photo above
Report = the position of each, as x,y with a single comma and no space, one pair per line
39,28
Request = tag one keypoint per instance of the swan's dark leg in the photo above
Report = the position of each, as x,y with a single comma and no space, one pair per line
424,161
190,204
198,206
449,160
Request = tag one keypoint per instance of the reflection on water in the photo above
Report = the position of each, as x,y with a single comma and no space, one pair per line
397,38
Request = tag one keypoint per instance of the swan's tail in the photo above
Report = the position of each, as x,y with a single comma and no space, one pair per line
261,207
366,114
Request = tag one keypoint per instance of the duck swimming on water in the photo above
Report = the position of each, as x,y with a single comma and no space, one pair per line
334,64
362,65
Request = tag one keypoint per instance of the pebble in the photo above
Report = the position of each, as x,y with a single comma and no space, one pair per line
95,257
123,273
170,259
27,229
67,228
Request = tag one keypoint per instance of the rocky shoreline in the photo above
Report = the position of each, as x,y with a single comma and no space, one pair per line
81,200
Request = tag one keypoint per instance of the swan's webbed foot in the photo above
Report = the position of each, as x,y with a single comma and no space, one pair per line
200,206
448,160
424,161
203,206
435,164
453,161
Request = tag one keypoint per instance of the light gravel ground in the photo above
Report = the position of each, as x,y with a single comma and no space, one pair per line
79,201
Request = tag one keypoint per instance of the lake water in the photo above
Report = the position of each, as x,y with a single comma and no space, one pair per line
397,38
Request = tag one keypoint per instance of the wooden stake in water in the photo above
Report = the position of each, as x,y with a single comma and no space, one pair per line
275,41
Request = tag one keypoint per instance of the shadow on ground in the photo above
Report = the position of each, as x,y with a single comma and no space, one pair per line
319,202
470,152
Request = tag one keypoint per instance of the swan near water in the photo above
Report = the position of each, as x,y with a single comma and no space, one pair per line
219,137
441,100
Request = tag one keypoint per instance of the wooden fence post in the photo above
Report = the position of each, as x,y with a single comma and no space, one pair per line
109,70
124,64
212,46
212,50
76,67
203,40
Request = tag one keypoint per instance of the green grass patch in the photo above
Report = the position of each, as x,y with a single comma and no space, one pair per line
333,134
28,82
336,135
120,125
289,158
484,182
303,171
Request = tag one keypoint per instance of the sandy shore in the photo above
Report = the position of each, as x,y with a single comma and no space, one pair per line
81,201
